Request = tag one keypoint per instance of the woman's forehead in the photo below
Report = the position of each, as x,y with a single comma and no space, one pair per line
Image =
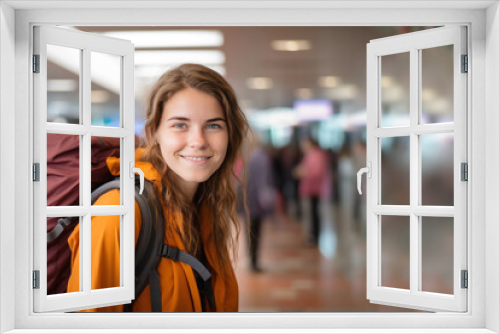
193,105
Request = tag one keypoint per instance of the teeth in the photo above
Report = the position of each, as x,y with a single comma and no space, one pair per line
195,158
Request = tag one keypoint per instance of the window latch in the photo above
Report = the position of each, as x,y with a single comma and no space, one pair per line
367,170
134,170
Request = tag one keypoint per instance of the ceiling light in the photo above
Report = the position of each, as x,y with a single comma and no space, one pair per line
304,93
259,83
62,85
99,96
344,92
105,67
329,81
177,57
386,81
428,94
291,45
171,38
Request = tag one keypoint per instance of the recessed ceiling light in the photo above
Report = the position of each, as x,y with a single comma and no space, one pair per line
259,83
428,94
329,81
62,85
291,45
344,92
171,38
99,96
304,93
386,81
175,57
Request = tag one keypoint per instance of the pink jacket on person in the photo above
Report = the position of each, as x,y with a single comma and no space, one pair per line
316,178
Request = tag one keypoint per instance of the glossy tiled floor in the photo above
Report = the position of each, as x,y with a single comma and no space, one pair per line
301,278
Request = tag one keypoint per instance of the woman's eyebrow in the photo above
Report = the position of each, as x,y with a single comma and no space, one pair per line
219,119
178,118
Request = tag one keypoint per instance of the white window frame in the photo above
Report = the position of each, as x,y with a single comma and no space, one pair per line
483,21
413,44
85,43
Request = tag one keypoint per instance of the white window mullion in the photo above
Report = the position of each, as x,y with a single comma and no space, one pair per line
40,156
85,168
414,170
460,155
372,187
127,245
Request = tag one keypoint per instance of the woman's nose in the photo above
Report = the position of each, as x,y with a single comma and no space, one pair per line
197,138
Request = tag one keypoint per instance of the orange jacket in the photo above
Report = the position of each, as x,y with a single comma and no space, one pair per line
179,292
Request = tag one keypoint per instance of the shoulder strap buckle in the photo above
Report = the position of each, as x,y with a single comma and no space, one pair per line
170,252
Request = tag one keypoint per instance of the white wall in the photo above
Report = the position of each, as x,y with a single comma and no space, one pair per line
7,170
492,147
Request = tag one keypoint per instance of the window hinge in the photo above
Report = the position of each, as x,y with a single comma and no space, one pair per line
465,279
464,172
465,64
36,279
36,172
36,63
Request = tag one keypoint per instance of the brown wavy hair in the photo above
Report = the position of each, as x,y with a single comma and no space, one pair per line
218,192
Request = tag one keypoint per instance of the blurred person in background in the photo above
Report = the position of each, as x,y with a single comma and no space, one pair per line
313,173
260,195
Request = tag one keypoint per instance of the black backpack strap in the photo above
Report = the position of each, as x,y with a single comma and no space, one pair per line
155,291
62,224
150,239
177,255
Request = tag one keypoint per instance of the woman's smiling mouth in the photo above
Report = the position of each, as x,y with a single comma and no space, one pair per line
196,159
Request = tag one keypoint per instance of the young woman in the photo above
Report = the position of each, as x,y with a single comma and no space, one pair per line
194,132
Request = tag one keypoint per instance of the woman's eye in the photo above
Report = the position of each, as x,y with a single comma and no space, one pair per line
214,126
179,126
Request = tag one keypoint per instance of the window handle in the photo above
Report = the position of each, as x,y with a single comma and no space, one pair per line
367,170
134,170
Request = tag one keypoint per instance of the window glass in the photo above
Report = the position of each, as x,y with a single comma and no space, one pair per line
105,89
63,84
395,244
395,89
395,170
437,84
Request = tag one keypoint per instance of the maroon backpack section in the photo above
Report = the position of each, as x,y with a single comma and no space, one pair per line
63,189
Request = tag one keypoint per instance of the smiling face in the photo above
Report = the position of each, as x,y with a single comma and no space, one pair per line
193,137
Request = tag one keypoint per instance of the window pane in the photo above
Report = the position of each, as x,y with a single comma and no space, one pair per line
437,169
106,86
63,170
63,84
437,84
58,253
437,254
105,249
395,244
395,170
395,89
105,164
